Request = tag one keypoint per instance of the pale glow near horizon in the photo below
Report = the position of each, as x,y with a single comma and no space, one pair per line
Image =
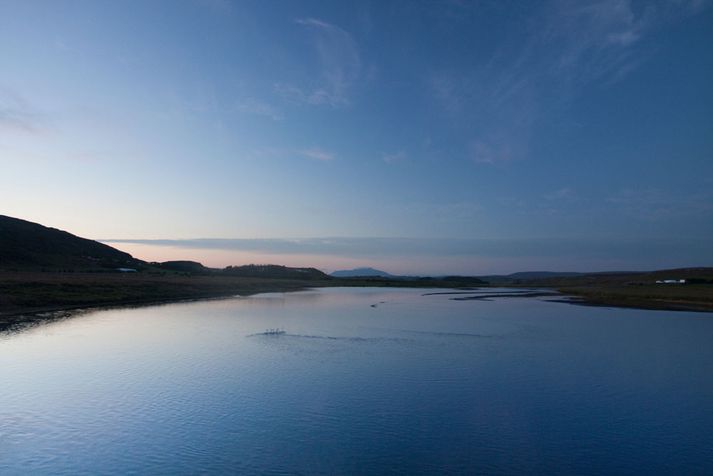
401,265
215,258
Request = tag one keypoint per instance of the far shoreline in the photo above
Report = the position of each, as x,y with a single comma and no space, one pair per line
22,318
30,316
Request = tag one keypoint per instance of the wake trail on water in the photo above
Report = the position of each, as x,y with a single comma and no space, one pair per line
379,338
334,338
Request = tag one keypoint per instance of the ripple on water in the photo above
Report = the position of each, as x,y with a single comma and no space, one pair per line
417,385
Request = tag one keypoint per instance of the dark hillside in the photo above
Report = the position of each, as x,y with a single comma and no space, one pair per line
361,272
192,267
29,246
275,271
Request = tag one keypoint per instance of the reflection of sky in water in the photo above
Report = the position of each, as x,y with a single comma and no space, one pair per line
416,384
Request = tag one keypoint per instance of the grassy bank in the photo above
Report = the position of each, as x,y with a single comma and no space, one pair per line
638,290
25,294
694,297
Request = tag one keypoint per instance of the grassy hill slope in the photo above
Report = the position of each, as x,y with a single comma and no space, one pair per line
29,246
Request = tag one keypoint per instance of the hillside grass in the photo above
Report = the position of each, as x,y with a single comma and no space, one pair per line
29,293
688,297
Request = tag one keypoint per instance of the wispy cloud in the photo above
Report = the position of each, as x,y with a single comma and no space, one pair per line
630,252
311,153
567,47
593,39
259,108
394,157
490,151
562,194
217,6
317,154
339,67
655,205
17,115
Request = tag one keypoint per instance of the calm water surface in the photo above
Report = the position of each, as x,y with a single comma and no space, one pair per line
416,384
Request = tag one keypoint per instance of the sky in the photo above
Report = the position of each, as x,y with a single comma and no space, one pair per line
419,137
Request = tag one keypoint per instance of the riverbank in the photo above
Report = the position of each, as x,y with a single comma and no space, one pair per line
33,296
29,296
692,297
26,295
683,289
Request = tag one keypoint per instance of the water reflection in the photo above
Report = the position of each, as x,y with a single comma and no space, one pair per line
417,384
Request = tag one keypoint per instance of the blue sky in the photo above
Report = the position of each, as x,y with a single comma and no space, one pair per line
422,137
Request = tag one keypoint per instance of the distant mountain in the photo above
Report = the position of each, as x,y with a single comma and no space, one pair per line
27,246
273,271
361,272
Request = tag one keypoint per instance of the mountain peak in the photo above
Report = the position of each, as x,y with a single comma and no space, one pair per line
360,272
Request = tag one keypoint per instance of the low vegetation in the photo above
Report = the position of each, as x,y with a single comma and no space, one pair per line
645,290
43,269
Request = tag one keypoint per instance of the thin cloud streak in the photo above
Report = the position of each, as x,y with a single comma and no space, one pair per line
17,115
219,7
654,205
339,62
317,154
259,108
557,249
569,46
394,157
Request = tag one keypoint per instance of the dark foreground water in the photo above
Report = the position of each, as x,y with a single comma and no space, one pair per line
416,384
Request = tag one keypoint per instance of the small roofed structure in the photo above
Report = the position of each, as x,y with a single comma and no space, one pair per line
126,270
